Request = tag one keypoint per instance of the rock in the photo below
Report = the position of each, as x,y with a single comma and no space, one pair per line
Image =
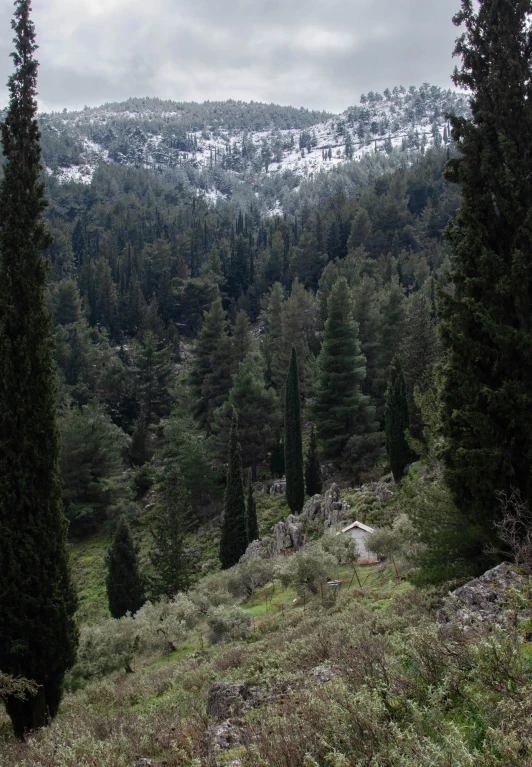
278,488
226,735
229,699
331,506
377,490
287,537
256,549
312,508
325,673
484,600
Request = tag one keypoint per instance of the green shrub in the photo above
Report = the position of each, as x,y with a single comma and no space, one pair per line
227,624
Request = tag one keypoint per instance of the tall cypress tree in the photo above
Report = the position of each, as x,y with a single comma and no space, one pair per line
124,582
293,444
397,421
486,396
38,636
313,478
234,539
253,524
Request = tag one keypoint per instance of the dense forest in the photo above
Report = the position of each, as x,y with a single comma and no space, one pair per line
250,441
168,311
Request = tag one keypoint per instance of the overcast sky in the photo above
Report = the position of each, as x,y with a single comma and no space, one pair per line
320,54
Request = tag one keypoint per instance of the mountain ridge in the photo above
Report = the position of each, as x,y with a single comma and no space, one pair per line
249,140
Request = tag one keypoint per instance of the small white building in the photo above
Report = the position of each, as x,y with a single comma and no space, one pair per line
359,533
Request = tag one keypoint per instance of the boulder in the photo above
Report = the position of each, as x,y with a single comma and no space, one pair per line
225,735
331,506
312,508
287,537
230,699
485,601
256,549
278,488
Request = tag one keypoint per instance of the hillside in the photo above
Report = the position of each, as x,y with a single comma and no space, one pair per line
249,141
247,671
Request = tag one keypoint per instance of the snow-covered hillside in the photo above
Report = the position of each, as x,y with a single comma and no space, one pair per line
250,140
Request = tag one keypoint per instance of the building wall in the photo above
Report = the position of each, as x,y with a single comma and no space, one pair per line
359,536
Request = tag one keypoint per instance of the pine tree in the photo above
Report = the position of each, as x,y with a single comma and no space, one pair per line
241,339
257,413
38,635
271,318
234,538
211,348
124,582
339,408
486,397
397,421
171,526
313,477
293,444
420,350
67,303
253,524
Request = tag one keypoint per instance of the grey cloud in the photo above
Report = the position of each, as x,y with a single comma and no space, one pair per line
319,53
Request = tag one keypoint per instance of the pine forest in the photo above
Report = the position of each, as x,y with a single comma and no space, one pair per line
266,422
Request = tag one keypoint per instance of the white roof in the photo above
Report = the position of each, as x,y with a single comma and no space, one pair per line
357,524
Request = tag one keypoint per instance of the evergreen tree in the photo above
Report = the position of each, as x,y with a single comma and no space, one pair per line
234,538
38,635
210,339
153,370
293,445
257,413
170,559
277,458
339,408
397,421
124,582
253,524
67,304
241,339
313,477
271,318
299,316
486,397
419,352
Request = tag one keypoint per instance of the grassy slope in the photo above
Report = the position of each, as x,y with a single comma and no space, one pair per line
416,696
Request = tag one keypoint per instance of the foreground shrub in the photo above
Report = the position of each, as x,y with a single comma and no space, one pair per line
227,624
113,644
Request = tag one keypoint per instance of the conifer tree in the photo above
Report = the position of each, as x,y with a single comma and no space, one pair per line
293,444
38,635
486,397
241,339
234,538
257,413
397,421
277,458
339,406
313,477
210,372
419,353
253,524
271,317
170,559
124,582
